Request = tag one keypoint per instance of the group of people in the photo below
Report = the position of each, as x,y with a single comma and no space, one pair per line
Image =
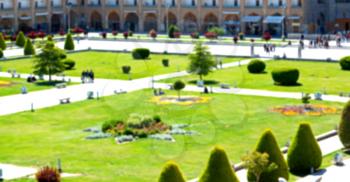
269,48
320,42
158,92
87,76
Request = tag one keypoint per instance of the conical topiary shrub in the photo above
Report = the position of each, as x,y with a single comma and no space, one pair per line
268,144
344,126
171,173
20,39
2,42
28,48
218,168
304,153
69,44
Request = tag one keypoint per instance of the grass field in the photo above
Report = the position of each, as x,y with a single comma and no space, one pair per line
314,77
109,65
234,122
16,84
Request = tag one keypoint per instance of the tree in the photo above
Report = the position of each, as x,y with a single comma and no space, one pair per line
20,39
178,86
49,61
268,144
217,30
304,153
28,48
202,61
257,163
218,168
2,42
69,44
171,173
344,126
172,30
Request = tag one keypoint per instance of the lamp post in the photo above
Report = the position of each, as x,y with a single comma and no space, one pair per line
283,22
69,6
167,6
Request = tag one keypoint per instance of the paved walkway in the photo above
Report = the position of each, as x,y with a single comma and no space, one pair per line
185,48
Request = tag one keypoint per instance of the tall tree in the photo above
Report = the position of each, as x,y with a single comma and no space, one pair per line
49,61
202,61
2,42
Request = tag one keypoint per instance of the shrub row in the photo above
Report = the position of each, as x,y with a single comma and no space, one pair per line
140,53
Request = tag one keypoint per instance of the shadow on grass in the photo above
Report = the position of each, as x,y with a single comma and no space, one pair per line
293,85
261,73
47,83
206,82
319,172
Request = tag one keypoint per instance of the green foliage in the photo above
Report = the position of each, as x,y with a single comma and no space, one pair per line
69,43
157,118
126,69
2,42
165,62
20,39
178,86
305,99
1,54
258,163
172,30
218,168
49,61
108,125
217,30
171,173
256,66
28,48
49,38
344,126
202,61
285,76
345,63
69,64
141,53
304,153
48,174
268,144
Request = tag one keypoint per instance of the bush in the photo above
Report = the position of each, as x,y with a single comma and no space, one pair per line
126,35
256,66
153,34
173,29
304,153
344,126
165,62
50,38
345,63
126,69
20,39
28,48
171,173
157,118
2,42
218,168
268,144
195,35
211,35
108,125
217,30
140,53
69,44
1,54
69,64
48,174
286,76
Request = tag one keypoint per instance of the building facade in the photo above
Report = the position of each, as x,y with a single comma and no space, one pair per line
249,16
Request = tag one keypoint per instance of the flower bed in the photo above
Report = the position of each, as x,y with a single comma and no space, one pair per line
309,110
5,83
184,100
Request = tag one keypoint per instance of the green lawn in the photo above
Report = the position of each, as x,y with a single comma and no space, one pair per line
17,84
108,64
234,122
314,77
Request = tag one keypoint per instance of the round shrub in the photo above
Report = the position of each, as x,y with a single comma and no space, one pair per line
108,125
1,54
165,62
344,126
256,66
140,53
268,144
218,168
171,173
345,63
126,69
304,153
69,64
285,76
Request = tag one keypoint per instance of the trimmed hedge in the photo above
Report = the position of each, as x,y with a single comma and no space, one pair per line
69,44
165,62
256,66
69,64
126,69
304,153
344,126
20,39
28,48
218,168
268,144
140,53
285,76
2,42
345,63
171,173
